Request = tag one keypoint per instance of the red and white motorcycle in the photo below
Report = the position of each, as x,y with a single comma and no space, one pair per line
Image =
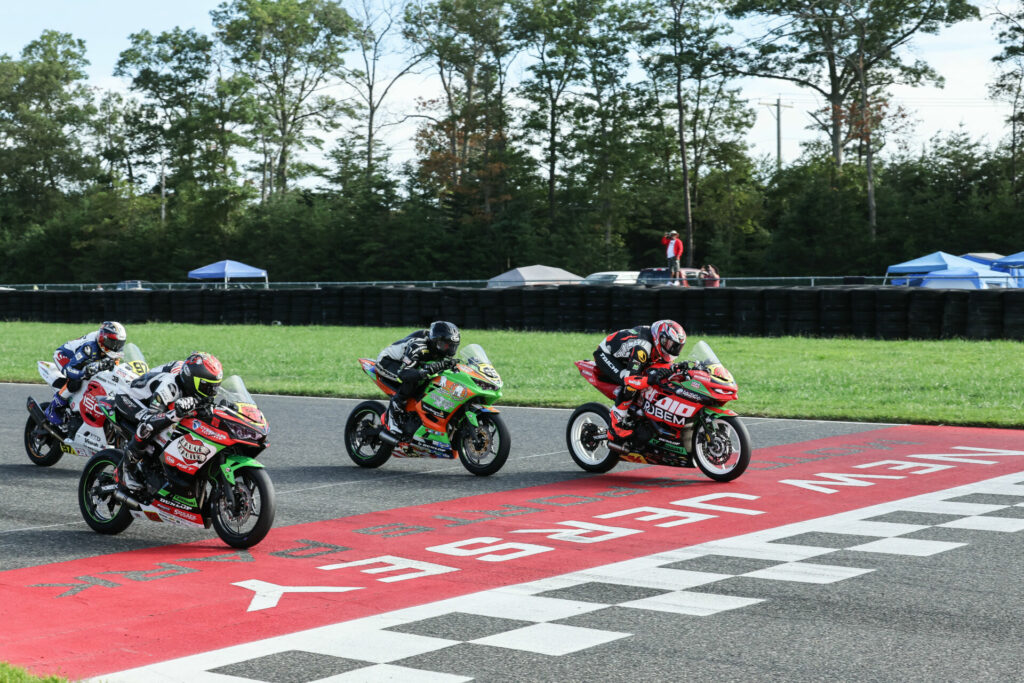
681,421
85,432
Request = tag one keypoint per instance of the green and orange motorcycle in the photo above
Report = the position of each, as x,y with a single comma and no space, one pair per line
455,417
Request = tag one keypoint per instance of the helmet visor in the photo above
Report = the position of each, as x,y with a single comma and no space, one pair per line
671,347
207,388
113,346
445,347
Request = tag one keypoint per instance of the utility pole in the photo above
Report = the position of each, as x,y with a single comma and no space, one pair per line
778,128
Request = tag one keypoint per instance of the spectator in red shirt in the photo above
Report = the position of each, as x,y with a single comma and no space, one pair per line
673,251
709,276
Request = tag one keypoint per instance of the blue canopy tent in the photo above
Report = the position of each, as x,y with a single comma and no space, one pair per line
916,268
985,258
227,270
1014,265
978,277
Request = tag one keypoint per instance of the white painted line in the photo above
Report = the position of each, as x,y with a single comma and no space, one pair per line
858,527
379,647
695,604
907,546
758,549
657,577
551,639
387,673
1007,524
503,605
805,572
942,507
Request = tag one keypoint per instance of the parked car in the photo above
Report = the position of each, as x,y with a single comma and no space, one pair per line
612,277
660,276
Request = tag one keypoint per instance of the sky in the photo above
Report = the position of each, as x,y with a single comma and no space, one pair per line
962,55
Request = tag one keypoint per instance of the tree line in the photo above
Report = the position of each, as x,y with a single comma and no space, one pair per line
566,132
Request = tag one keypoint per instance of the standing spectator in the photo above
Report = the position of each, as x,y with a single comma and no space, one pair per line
673,251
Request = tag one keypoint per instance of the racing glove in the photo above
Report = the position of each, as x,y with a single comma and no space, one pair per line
655,375
184,405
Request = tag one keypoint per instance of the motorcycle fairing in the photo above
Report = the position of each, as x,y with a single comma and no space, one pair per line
588,369
189,452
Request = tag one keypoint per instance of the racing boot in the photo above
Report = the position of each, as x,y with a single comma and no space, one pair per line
131,476
393,420
55,411
622,424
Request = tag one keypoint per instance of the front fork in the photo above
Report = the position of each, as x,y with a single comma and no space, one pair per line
228,465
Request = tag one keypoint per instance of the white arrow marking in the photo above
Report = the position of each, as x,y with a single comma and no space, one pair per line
268,594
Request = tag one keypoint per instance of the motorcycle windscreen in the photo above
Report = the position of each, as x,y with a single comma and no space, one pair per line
233,396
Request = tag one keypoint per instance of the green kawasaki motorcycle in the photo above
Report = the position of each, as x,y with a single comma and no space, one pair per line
454,417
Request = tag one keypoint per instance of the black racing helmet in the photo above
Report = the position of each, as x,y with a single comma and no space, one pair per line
201,375
443,338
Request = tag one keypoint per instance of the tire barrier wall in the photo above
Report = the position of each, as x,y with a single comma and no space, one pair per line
851,311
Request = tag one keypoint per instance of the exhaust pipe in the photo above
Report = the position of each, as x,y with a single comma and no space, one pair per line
385,435
126,499
618,448
37,414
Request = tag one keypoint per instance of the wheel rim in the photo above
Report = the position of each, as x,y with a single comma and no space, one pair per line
585,428
242,517
365,439
101,505
480,444
39,439
718,449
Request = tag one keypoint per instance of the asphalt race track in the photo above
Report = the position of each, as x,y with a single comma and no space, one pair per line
847,551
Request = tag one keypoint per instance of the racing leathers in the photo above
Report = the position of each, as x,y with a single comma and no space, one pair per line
623,358
78,360
407,364
159,402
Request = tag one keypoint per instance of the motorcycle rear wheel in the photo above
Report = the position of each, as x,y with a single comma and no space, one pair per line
723,454
101,511
477,444
587,421
42,447
362,435
247,522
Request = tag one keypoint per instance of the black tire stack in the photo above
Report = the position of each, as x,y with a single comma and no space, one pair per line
835,317
891,313
924,314
985,314
776,311
804,307
747,312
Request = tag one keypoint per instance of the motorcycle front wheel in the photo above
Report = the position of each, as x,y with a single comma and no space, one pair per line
246,521
483,449
42,447
101,510
721,448
589,421
362,435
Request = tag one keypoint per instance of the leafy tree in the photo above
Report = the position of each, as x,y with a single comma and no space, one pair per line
1008,85
291,50
840,48
685,56
45,110
554,33
375,28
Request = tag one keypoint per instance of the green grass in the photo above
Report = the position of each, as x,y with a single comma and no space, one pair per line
929,382
12,674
